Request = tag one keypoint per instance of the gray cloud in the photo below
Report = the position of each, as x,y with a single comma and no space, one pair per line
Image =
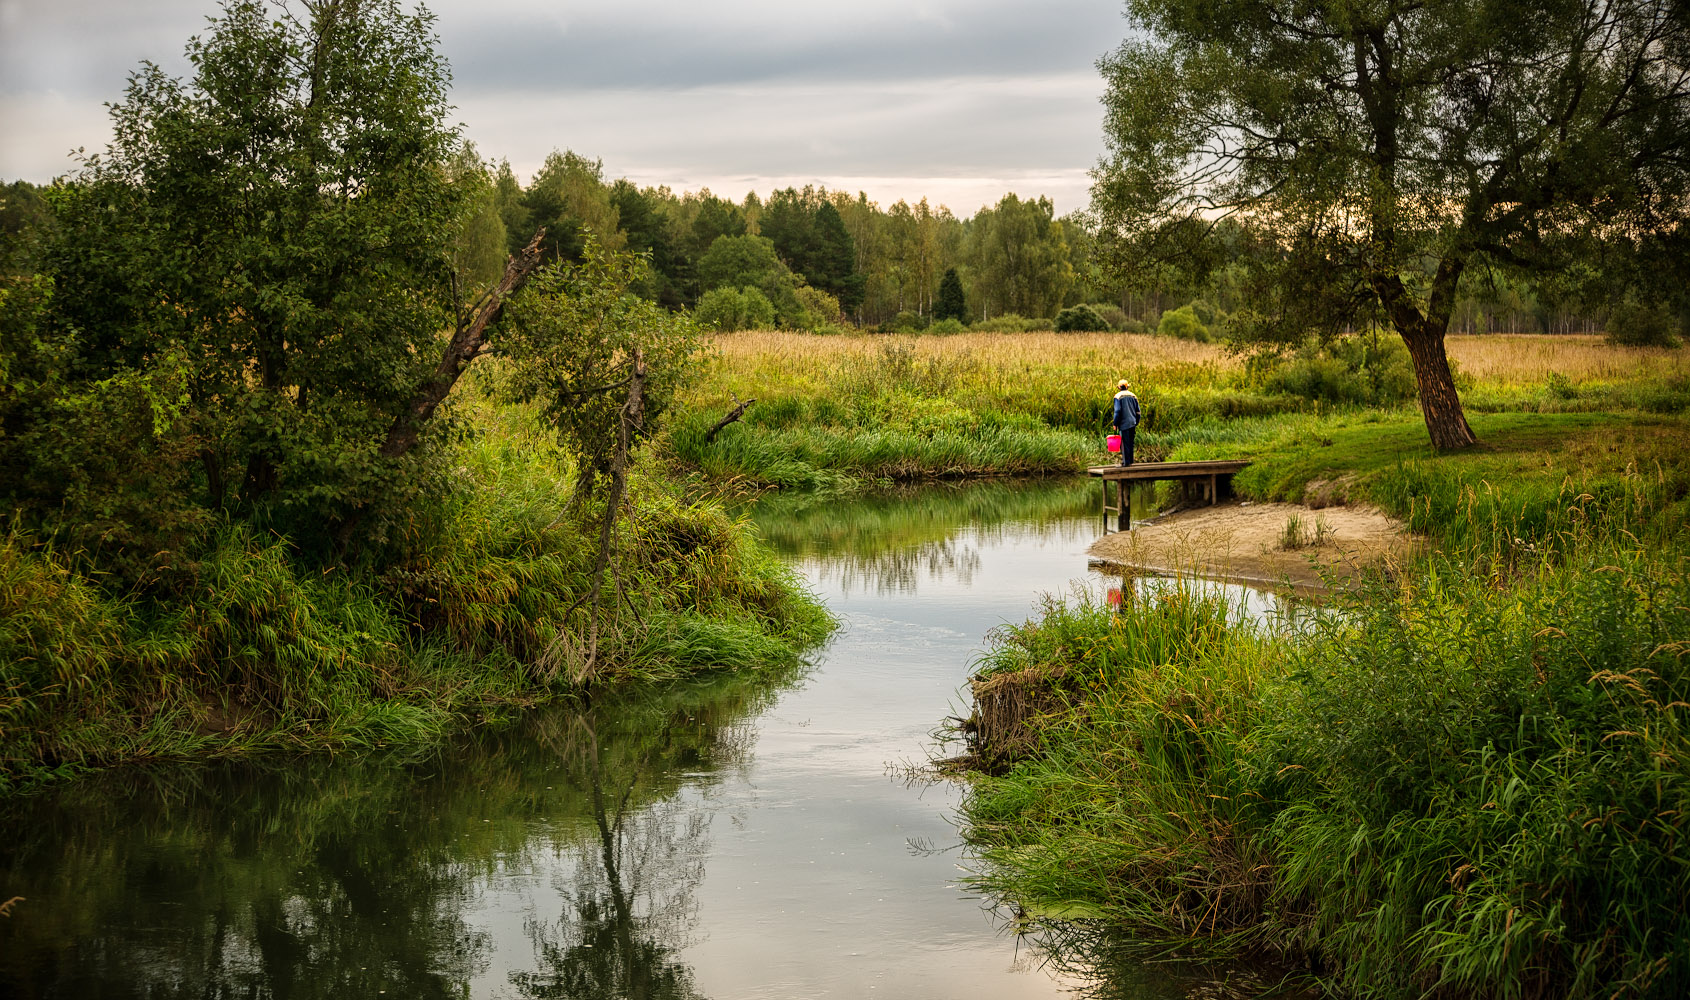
965,97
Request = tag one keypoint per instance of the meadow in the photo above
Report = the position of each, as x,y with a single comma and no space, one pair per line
842,410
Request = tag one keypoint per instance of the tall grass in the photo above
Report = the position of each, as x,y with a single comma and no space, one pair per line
1472,784
837,409
473,609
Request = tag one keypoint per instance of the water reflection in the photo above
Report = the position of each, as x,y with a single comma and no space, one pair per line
890,542
301,879
1284,608
737,838
629,903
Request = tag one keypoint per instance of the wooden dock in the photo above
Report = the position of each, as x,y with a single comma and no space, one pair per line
1210,481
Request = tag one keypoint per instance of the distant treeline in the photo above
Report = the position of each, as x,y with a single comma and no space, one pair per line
816,259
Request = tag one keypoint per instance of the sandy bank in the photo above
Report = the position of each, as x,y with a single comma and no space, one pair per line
1246,541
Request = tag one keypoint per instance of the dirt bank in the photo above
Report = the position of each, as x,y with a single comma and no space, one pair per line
1248,541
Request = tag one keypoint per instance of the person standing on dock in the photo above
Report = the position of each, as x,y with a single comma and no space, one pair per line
1126,420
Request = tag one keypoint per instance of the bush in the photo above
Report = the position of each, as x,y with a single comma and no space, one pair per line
909,322
1080,318
1009,323
947,325
729,309
1633,324
1183,324
1113,314
1131,325
1365,368
820,309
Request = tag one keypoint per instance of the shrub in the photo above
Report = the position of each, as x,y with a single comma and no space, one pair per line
1183,324
1009,323
1365,368
1114,315
729,309
1633,324
819,307
947,325
1080,318
909,322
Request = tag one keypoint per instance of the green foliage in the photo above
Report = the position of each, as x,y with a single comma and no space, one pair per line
572,336
1183,324
1474,784
254,647
907,322
947,326
1010,323
1370,158
1019,257
819,308
1080,318
1633,324
728,309
1360,369
274,239
809,235
570,200
952,303
738,261
241,302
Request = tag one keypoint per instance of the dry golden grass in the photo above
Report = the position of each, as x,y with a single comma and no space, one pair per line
1530,358
1006,349
1504,357
810,361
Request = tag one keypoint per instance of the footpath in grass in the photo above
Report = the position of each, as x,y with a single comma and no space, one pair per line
1472,781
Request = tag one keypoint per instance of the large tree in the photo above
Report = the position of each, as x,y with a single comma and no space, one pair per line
1018,258
1380,149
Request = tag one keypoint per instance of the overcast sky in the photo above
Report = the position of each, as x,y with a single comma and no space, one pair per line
957,100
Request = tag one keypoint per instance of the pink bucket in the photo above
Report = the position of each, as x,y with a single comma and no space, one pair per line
1113,442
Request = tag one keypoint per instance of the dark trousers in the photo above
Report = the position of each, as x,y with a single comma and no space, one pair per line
1127,445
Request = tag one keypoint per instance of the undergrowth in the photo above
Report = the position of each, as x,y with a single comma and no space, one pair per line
476,610
1474,782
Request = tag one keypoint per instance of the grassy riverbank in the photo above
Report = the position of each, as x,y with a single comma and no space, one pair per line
239,644
831,410
1473,782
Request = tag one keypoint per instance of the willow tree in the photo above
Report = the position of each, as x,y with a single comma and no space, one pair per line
1378,149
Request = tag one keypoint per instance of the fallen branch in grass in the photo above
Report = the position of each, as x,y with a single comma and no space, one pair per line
733,415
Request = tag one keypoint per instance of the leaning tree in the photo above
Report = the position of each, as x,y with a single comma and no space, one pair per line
1377,150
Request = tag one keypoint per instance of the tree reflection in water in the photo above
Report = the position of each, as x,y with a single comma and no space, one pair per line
630,906
889,542
335,878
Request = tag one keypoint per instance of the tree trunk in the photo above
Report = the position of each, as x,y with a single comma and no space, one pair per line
466,345
1439,402
467,342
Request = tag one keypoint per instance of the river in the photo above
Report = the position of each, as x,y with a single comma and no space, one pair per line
729,838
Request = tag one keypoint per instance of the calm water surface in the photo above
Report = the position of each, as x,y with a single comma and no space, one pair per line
723,839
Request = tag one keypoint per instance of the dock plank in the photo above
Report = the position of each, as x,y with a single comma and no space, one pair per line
1216,476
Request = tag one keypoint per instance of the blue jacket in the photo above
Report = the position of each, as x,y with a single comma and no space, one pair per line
1126,410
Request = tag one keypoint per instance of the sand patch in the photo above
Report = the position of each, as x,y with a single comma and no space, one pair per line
1247,541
